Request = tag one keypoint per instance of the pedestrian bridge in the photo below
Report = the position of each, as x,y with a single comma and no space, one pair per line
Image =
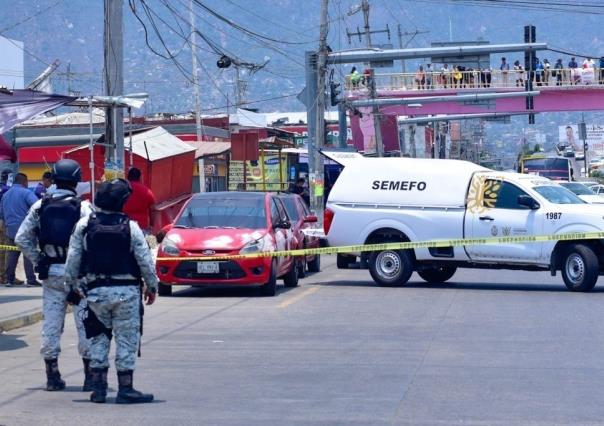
575,89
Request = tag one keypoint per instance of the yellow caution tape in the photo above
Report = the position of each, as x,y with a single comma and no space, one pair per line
401,246
387,246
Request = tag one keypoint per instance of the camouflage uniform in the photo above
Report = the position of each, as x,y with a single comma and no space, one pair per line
117,307
54,296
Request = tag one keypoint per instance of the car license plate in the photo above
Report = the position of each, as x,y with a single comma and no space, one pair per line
208,268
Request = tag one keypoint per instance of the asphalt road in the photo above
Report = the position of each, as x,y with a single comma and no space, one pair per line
490,348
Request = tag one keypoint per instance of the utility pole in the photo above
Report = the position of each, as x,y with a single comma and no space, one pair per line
375,111
114,79
199,137
400,45
240,87
365,7
317,184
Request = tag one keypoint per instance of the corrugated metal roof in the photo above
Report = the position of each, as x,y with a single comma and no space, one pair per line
208,149
153,144
156,144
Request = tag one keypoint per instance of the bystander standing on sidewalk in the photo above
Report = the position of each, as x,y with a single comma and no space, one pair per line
139,206
13,208
3,238
43,186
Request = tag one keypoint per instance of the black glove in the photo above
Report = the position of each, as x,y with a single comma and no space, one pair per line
73,297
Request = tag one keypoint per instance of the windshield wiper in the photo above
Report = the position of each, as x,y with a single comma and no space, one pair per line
182,226
211,227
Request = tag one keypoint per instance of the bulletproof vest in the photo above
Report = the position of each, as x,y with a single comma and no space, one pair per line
58,217
108,246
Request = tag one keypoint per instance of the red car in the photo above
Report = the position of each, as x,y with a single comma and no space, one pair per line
302,219
228,223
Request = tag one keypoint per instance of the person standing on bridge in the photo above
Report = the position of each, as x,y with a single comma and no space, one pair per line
519,74
505,70
574,75
429,76
445,75
420,78
558,72
546,72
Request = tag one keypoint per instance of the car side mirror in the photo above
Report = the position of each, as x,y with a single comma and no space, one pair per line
529,202
311,218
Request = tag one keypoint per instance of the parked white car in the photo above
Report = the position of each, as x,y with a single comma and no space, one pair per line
379,200
597,189
583,192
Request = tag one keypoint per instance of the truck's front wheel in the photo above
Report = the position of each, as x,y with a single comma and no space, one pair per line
580,268
391,268
437,275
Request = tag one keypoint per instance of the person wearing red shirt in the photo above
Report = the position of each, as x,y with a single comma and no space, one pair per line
141,202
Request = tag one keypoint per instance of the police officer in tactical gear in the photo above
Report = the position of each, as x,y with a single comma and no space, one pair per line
111,253
44,238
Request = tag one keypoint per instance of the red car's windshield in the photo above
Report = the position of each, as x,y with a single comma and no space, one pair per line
223,213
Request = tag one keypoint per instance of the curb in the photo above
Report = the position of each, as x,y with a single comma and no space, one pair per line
21,320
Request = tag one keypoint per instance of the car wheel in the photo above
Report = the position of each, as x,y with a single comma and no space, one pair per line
438,274
580,268
164,289
291,278
391,268
302,267
315,264
344,260
270,287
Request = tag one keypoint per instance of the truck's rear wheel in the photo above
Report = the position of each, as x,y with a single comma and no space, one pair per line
391,268
438,274
580,268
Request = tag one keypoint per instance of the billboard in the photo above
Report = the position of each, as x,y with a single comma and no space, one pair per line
569,136
258,178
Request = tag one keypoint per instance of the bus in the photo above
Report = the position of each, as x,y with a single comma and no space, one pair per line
555,168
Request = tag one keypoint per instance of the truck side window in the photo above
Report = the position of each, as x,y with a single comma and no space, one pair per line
502,195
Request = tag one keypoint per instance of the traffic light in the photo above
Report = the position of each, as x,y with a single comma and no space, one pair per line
334,93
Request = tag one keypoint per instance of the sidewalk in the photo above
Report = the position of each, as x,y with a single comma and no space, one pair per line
20,305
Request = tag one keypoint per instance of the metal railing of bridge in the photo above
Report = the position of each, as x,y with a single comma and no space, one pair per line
479,79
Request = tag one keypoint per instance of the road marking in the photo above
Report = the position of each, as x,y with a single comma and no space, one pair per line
298,297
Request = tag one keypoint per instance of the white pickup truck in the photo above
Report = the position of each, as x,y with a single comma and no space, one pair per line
377,200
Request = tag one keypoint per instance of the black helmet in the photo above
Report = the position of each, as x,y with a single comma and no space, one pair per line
112,195
67,170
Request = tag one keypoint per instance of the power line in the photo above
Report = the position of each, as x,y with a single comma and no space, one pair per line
264,18
243,29
29,18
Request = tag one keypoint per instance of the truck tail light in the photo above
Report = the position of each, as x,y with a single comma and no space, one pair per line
328,215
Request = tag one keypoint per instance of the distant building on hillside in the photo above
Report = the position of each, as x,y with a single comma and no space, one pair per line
11,69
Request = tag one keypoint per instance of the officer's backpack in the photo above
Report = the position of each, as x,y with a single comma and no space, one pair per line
58,217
